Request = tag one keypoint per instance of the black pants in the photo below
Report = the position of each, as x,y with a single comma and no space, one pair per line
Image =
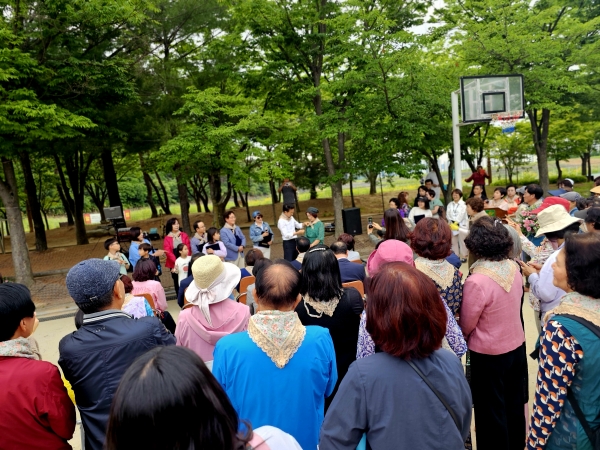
497,389
289,250
175,282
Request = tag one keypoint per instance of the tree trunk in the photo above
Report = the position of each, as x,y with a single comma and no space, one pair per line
148,183
65,203
589,162
110,178
372,177
184,202
46,219
583,164
540,143
235,199
28,213
313,191
41,244
274,193
18,241
165,203
352,193
77,169
558,168
244,199
219,200
149,199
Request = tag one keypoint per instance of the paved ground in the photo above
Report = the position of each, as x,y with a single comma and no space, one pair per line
50,332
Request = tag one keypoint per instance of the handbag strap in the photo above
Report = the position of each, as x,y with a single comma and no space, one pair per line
570,396
437,393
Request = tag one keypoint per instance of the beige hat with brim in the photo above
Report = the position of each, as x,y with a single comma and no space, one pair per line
214,281
554,218
595,190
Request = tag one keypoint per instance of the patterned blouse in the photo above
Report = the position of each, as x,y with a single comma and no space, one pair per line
559,355
454,336
539,255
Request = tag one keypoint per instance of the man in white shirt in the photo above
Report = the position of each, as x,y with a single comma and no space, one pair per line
290,229
435,183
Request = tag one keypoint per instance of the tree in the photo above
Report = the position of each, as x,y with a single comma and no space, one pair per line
512,150
541,40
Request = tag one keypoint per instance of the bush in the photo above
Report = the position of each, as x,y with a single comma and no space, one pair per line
532,177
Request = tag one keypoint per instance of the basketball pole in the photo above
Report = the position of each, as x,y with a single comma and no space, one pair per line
456,140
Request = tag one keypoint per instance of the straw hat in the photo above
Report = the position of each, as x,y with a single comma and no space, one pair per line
595,190
214,281
554,218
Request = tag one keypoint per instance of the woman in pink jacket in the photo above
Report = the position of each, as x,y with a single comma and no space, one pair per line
212,313
173,238
490,317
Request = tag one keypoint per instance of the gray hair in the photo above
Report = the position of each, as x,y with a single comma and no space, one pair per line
517,246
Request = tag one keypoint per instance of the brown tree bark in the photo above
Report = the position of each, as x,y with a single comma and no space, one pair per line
539,128
18,241
110,178
41,244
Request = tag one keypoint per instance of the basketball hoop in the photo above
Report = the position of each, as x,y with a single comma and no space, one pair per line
507,120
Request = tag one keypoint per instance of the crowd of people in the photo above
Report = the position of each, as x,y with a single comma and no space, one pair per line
307,361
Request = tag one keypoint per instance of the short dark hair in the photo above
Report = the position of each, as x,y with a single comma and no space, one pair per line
422,199
567,183
277,285
109,242
302,244
226,214
210,234
535,189
511,186
476,204
347,239
432,239
180,247
192,405
78,319
593,217
428,180
15,305
582,258
501,190
253,255
321,278
135,232
406,317
196,224
395,228
339,248
127,283
288,207
170,223
422,187
457,191
145,247
431,192
560,234
144,270
489,239
396,202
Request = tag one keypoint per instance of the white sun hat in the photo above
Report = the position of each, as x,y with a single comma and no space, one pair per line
554,218
214,281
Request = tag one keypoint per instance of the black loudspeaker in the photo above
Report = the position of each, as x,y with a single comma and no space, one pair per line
352,222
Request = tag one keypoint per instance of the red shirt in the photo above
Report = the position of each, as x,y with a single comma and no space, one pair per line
36,411
478,178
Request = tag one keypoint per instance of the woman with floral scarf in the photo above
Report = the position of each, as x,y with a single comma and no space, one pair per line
571,335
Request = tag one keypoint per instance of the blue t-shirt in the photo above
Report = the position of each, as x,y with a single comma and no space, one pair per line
295,398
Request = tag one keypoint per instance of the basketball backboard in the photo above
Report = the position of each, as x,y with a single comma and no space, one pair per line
484,96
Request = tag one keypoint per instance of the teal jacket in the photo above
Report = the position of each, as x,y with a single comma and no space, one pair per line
568,432
317,231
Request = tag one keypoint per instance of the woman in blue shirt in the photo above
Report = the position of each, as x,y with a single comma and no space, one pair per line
260,230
